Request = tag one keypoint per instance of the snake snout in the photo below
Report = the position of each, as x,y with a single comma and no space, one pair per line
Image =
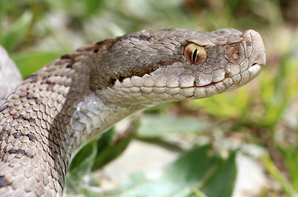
254,48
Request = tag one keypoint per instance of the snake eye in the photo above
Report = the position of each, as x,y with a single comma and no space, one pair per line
195,54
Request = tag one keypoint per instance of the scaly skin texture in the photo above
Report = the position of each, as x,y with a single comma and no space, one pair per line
72,100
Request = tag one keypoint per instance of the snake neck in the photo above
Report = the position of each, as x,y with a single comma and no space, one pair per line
46,120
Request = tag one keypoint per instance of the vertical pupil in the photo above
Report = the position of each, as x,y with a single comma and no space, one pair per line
194,55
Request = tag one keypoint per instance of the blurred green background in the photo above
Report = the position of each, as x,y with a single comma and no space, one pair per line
258,121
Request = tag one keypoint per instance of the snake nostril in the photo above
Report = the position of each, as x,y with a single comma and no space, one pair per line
254,64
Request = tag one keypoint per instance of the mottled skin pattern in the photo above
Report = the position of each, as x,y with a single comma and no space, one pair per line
72,100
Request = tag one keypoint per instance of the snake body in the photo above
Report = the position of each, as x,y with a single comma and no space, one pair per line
77,97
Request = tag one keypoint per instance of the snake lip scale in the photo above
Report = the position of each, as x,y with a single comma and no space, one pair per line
78,96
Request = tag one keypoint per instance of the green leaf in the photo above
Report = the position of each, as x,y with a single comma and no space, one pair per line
81,167
286,186
193,170
89,193
104,141
108,149
92,6
229,105
16,33
30,62
289,154
223,180
156,126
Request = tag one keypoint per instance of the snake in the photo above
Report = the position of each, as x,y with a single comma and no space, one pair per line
55,111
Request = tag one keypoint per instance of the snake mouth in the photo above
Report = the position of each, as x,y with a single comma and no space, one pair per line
258,64
238,80
225,85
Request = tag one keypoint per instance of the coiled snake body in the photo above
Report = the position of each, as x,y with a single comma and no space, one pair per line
80,95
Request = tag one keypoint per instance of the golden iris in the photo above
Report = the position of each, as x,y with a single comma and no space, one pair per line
195,54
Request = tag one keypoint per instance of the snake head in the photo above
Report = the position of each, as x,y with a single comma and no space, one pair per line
177,64
229,59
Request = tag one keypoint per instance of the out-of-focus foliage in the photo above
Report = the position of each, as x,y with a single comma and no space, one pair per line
263,113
